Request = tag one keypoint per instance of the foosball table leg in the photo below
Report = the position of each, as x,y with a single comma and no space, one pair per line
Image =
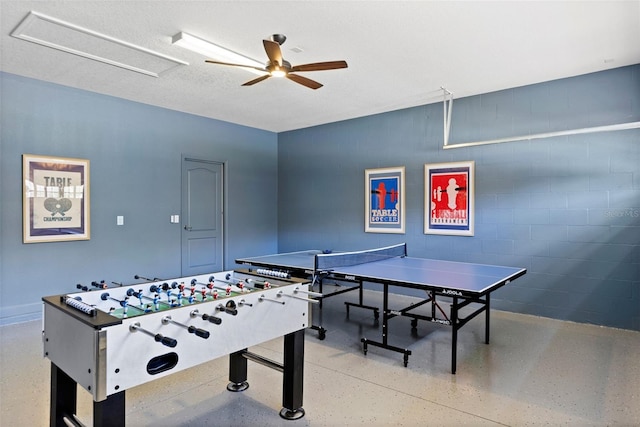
293,375
64,393
238,371
63,397
110,412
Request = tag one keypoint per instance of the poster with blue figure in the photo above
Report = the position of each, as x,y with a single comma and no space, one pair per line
385,200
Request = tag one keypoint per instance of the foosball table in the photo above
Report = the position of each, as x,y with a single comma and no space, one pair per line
170,325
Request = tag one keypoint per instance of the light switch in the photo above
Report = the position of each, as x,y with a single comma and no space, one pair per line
119,220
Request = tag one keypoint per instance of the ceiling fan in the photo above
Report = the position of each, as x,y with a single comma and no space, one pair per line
276,66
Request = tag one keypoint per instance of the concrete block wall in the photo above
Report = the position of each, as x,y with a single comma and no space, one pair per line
567,208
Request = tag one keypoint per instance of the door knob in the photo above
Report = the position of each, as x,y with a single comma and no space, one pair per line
186,227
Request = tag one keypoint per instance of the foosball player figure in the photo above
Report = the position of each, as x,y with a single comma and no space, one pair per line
179,299
140,297
156,301
125,306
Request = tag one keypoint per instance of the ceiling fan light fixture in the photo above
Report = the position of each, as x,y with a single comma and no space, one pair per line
212,50
278,72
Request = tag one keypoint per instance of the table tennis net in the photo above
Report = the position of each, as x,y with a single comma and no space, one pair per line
345,259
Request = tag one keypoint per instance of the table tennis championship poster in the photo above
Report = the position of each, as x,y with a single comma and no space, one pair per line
449,198
55,199
384,196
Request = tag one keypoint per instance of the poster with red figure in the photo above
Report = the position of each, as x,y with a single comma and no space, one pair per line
384,196
449,198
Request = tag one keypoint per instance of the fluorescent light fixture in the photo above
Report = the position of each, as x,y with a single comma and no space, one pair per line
76,40
215,52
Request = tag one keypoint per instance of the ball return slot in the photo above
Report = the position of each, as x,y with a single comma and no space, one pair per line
230,308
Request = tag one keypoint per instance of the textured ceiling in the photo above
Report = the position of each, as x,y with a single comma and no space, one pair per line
399,53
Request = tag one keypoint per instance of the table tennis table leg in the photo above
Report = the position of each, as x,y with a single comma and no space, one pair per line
487,307
318,280
454,334
360,302
385,330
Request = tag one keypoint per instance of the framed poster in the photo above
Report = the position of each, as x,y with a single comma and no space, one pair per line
55,199
449,198
384,200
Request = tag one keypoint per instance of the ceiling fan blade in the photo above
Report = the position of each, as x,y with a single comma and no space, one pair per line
273,51
258,80
319,66
304,81
211,61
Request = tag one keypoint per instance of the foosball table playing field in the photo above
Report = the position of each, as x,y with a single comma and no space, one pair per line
170,325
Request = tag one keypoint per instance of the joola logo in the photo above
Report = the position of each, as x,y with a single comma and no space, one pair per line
452,292
444,322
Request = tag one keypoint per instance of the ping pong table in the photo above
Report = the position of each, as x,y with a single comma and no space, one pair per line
463,284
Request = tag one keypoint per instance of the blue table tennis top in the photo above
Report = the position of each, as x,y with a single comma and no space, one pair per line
415,272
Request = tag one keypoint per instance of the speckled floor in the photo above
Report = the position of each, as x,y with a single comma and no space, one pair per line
536,371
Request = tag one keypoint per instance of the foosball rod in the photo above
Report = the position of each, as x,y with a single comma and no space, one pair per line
138,277
169,342
209,285
302,291
100,285
313,301
238,282
213,319
192,329
261,284
138,294
263,298
231,285
123,303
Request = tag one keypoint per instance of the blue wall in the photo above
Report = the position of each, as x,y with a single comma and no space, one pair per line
566,208
135,152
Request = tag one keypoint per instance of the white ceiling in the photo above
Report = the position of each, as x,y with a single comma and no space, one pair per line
400,53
